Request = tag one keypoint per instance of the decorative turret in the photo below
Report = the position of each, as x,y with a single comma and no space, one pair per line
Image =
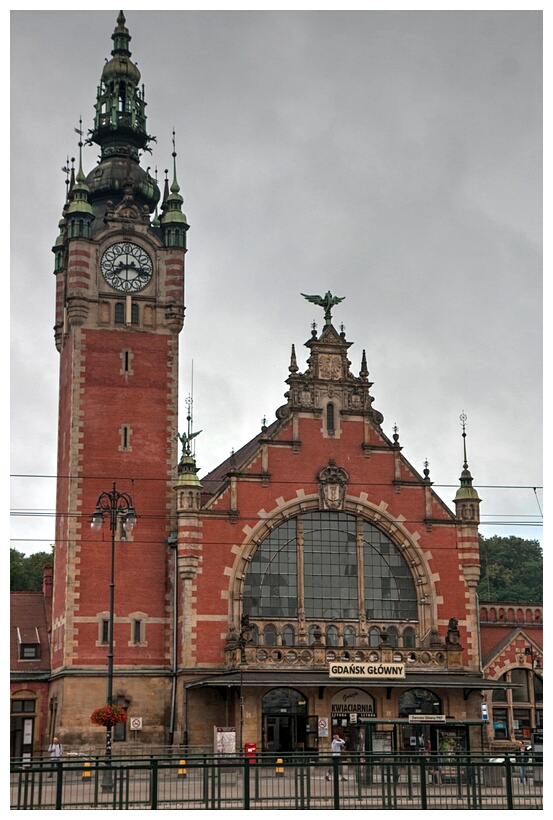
79,215
188,491
120,131
173,221
188,487
467,502
58,248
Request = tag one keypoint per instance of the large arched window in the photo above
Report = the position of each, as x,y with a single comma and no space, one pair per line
330,552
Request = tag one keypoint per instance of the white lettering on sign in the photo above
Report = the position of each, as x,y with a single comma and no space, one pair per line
426,718
366,670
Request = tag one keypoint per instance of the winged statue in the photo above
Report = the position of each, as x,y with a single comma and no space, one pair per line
185,441
327,302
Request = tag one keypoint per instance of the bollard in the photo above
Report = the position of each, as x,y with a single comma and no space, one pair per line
182,768
279,771
86,770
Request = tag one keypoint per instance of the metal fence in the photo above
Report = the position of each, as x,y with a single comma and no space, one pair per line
287,782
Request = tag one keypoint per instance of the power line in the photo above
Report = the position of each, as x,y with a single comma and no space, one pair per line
204,542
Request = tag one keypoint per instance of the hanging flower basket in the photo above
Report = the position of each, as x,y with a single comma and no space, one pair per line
108,716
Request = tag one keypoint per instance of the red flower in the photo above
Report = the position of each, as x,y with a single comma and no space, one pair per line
108,716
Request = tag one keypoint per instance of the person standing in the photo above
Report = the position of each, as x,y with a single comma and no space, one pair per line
56,750
522,756
336,750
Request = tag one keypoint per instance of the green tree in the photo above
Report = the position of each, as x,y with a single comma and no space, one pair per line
511,569
26,570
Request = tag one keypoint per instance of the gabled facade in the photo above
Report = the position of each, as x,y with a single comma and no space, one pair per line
318,547
512,654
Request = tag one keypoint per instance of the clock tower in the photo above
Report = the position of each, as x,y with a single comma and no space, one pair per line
119,267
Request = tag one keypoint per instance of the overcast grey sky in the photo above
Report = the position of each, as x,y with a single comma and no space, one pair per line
391,157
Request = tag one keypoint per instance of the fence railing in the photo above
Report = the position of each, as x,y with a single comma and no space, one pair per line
270,782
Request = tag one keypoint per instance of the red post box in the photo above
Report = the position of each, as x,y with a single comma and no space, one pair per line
250,751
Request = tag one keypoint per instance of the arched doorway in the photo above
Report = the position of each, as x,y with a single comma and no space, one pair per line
285,721
418,737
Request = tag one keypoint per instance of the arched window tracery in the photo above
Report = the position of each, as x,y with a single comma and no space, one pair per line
347,566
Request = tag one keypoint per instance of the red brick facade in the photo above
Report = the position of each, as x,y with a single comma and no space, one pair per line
201,639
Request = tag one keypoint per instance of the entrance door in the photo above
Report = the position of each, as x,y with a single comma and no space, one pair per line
21,737
284,720
280,732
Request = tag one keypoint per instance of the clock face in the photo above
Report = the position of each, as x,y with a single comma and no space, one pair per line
126,267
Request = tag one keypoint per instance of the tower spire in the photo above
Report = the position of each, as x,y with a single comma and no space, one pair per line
120,131
79,213
172,220
466,498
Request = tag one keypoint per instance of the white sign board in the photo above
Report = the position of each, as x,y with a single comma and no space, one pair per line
28,730
224,740
342,669
135,723
322,727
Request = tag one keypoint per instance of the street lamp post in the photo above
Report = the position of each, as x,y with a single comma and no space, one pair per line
119,509
244,638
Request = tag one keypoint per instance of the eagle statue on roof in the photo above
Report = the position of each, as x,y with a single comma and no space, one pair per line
327,302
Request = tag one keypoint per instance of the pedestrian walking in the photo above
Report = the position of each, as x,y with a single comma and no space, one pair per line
522,758
56,750
336,750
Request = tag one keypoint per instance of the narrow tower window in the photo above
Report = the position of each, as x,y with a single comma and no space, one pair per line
125,432
330,418
119,313
126,362
137,631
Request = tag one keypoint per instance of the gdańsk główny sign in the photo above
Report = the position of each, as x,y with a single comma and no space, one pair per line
341,669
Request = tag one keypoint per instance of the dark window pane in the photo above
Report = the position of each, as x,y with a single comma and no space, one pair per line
521,693
288,636
389,589
500,724
270,588
330,565
409,638
331,636
349,636
270,636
